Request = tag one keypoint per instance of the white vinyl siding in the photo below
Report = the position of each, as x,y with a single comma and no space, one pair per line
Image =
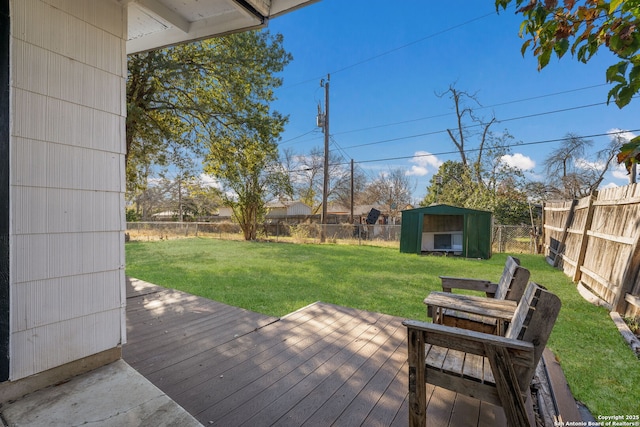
68,107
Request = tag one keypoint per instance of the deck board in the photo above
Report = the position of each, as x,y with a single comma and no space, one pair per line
321,365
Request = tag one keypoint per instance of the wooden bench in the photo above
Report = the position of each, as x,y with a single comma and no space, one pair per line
491,368
454,310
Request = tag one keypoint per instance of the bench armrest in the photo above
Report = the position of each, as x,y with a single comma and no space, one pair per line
449,283
489,307
522,352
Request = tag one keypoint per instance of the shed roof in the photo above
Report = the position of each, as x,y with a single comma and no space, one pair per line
158,23
284,203
446,210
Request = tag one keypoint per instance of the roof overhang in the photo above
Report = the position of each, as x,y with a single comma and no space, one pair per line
154,24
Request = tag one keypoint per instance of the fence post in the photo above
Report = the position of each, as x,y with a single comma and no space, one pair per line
565,233
583,240
629,279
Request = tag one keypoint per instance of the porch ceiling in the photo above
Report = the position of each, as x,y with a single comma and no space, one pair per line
158,23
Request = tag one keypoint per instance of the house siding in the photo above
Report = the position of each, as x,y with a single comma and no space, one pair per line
298,209
67,145
4,188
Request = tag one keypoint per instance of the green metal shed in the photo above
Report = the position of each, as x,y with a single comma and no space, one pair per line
445,228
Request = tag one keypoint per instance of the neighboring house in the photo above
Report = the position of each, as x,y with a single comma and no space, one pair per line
225,212
63,72
278,209
336,213
275,209
340,214
165,216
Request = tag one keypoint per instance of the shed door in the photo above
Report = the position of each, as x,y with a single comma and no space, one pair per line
477,238
472,237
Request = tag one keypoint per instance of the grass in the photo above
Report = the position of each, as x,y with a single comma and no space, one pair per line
277,278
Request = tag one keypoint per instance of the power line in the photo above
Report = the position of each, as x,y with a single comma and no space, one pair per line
476,125
345,156
449,114
315,130
520,144
470,150
479,108
446,30
404,46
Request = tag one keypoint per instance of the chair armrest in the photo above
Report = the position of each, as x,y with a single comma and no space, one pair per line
490,307
522,352
449,283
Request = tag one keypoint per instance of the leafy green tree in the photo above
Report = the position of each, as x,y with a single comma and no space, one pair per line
200,199
209,100
583,27
131,215
454,185
511,204
249,168
181,98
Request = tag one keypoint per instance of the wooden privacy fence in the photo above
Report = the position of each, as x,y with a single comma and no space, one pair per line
595,241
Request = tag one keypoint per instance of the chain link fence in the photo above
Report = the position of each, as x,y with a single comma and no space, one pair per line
515,239
360,234
506,238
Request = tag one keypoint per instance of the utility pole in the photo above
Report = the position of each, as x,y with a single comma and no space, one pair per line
351,217
325,181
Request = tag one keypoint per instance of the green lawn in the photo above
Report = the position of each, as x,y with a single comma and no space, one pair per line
277,278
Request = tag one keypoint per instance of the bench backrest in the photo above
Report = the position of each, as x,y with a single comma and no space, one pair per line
533,321
513,281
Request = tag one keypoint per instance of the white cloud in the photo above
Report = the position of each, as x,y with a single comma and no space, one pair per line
625,135
519,161
209,181
424,162
417,171
609,185
620,172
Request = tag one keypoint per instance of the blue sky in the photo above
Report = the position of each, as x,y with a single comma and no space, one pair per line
387,62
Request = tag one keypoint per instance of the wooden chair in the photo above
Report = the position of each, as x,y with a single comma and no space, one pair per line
510,287
491,368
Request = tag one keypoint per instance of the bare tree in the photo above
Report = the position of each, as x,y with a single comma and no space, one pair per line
464,132
571,173
341,193
307,174
393,189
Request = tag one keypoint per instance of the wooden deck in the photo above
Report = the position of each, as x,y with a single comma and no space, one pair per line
321,365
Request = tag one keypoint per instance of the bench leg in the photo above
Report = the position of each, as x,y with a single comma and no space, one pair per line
508,387
417,384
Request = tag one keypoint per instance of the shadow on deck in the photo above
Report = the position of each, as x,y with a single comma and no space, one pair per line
321,365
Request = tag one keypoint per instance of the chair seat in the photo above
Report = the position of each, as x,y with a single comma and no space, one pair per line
460,364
